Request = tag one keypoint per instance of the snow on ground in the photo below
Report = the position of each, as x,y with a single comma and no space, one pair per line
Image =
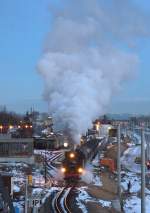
16,188
96,181
95,161
44,193
48,192
136,138
51,157
134,180
133,205
18,171
96,175
128,159
84,197
38,180
19,206
36,191
105,203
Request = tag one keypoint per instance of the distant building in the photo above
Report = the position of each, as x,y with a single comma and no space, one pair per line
123,123
16,150
143,121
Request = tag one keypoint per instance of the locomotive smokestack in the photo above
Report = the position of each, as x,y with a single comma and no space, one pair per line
87,57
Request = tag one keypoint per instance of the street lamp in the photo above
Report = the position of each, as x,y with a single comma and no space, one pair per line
1,128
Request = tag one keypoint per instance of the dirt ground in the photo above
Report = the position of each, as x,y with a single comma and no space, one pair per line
108,190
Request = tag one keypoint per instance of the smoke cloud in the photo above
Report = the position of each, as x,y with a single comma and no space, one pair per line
88,54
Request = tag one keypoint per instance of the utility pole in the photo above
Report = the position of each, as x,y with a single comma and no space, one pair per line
142,172
45,166
26,195
148,146
118,164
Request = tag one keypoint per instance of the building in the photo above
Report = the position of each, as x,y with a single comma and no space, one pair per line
16,150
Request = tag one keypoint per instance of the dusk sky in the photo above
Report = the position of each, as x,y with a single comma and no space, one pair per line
24,25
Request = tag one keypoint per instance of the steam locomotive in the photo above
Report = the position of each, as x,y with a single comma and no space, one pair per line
74,162
72,166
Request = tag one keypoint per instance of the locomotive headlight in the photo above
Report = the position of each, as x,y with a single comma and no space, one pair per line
80,170
63,169
65,144
72,155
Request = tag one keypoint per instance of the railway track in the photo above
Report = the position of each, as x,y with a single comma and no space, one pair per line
61,201
50,170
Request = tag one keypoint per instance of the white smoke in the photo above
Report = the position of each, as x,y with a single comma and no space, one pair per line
87,57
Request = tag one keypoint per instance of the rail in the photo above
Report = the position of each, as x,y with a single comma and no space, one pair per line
61,201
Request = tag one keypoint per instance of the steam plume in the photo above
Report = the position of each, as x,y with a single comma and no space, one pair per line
87,57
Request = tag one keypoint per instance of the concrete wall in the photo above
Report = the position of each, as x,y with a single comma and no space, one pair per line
24,159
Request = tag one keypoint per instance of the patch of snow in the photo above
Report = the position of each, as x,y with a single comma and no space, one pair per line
16,188
128,159
147,191
97,181
133,205
83,197
36,191
95,161
19,206
136,138
134,180
105,203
